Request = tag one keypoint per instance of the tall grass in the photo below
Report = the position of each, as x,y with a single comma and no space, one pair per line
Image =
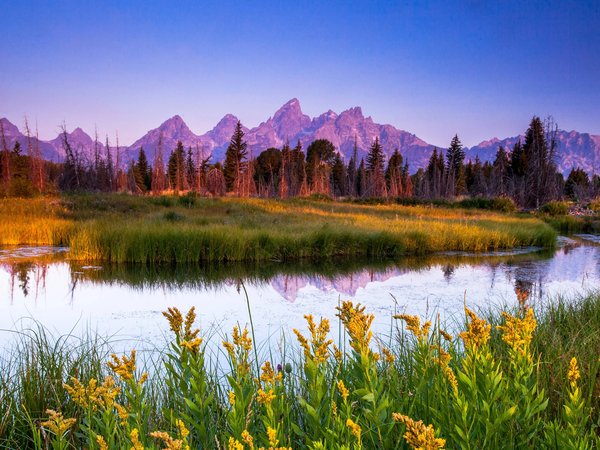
522,380
34,222
121,228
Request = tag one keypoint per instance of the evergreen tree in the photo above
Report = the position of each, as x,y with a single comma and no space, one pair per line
320,156
500,172
176,168
352,171
540,174
455,157
339,177
144,174
267,171
577,186
361,180
190,170
434,176
158,170
375,165
393,175
234,159
20,183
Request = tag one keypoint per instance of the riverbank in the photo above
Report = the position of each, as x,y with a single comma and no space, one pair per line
530,364
123,228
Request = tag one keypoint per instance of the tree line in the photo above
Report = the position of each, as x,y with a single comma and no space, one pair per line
526,172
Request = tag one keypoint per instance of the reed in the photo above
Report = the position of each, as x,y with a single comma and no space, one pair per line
524,379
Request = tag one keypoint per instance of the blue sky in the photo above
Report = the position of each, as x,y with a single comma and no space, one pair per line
480,69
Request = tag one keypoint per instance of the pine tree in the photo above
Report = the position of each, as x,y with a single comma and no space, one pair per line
339,177
455,157
176,168
393,175
540,174
361,180
500,172
352,171
234,159
190,170
320,156
158,170
375,165
144,174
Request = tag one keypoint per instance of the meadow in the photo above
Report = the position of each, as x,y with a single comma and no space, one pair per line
187,229
518,379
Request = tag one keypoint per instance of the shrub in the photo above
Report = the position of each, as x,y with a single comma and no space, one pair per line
555,208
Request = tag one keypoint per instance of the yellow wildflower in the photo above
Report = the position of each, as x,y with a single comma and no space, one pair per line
183,431
230,348
354,428
242,340
188,333
122,412
192,345
413,324
265,398
443,360
123,367
232,398
272,434
135,440
419,436
478,331
78,391
101,443
92,395
248,439
358,326
337,353
169,442
343,390
234,444
268,375
517,333
175,319
317,349
446,335
388,356
57,424
574,374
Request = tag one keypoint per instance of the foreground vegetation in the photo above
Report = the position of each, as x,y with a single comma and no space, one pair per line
520,381
124,228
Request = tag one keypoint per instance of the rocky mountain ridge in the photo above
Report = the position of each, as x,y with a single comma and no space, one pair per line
290,124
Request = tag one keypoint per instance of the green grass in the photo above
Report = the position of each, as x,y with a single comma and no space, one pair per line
123,228
33,370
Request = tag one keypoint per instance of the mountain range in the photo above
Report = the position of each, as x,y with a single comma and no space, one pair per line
289,123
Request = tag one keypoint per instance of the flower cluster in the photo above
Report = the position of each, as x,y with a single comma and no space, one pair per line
419,436
413,324
517,332
358,326
317,348
478,331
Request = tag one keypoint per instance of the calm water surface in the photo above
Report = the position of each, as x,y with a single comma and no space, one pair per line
126,301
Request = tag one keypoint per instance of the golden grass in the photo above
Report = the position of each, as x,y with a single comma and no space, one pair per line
141,229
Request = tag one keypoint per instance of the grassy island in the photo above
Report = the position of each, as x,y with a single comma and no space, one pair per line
187,229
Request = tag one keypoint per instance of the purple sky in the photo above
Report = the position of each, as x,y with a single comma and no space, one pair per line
473,68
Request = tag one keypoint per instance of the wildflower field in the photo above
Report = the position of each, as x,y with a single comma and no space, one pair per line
188,229
523,379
